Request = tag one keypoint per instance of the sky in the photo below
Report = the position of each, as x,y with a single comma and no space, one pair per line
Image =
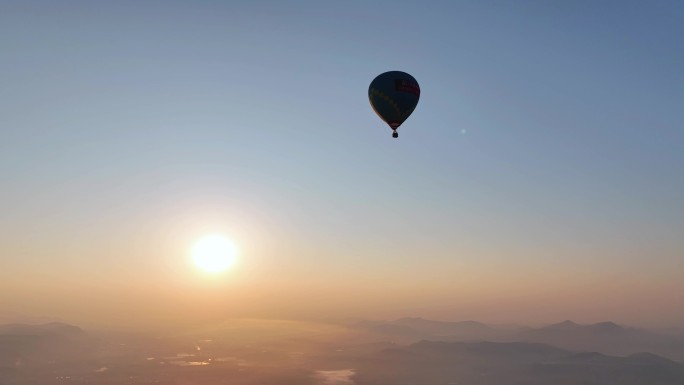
539,179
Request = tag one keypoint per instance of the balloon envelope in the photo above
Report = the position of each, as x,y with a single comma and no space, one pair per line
393,96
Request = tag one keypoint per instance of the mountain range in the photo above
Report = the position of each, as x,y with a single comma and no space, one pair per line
28,345
512,363
604,337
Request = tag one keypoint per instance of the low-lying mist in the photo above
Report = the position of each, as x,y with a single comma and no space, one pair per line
360,352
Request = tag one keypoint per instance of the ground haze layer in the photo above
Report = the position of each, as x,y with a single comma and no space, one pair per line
253,351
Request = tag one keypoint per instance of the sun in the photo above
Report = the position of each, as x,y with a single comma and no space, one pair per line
214,253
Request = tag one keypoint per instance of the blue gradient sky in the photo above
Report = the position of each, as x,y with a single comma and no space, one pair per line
542,169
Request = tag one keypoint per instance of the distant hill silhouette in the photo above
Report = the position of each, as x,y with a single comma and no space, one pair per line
492,363
52,328
606,337
412,329
466,329
600,327
27,345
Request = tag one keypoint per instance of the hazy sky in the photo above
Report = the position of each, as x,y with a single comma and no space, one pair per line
540,177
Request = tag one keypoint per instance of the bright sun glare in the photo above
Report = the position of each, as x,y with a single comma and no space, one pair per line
214,253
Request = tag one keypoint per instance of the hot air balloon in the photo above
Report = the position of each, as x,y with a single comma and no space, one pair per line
393,96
